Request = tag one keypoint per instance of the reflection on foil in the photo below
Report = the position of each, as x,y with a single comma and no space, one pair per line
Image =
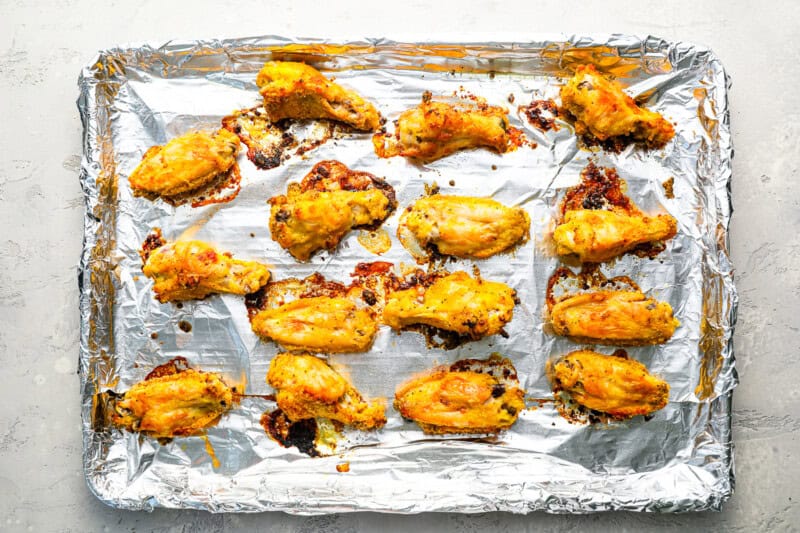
679,460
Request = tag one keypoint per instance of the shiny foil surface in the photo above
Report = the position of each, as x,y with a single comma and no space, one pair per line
680,460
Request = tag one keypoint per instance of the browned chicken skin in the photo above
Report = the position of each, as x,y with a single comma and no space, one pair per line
602,109
434,130
618,386
472,308
321,324
625,318
315,315
461,226
174,402
331,200
588,307
188,270
596,236
186,164
600,222
308,388
296,90
470,396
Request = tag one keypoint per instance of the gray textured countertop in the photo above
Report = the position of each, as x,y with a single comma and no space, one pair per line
42,49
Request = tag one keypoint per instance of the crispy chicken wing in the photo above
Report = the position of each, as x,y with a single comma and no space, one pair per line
600,222
321,324
174,401
470,396
472,308
611,384
596,235
308,388
627,318
602,109
461,226
187,270
314,315
185,165
296,90
434,130
331,200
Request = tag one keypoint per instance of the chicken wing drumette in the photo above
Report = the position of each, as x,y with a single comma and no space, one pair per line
296,90
602,109
186,166
599,222
469,307
187,270
434,130
331,200
174,401
461,226
470,396
611,384
307,387
314,315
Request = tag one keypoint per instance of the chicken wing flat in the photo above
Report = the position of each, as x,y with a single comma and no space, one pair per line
596,236
611,384
461,226
625,318
331,200
187,165
601,108
188,270
296,90
588,307
470,396
314,315
434,130
469,307
308,388
599,222
174,401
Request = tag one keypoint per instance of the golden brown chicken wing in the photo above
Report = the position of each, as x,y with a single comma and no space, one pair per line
187,166
596,236
601,108
626,318
188,270
611,384
599,222
331,200
588,307
461,226
469,307
296,90
174,401
434,130
308,388
470,396
314,315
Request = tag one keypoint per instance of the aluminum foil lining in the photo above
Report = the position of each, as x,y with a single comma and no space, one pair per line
680,460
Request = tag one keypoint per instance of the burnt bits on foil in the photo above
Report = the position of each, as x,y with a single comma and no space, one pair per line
680,460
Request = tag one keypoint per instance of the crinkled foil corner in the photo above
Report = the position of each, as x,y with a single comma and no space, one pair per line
681,460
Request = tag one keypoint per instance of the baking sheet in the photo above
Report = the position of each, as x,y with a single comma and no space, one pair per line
135,97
